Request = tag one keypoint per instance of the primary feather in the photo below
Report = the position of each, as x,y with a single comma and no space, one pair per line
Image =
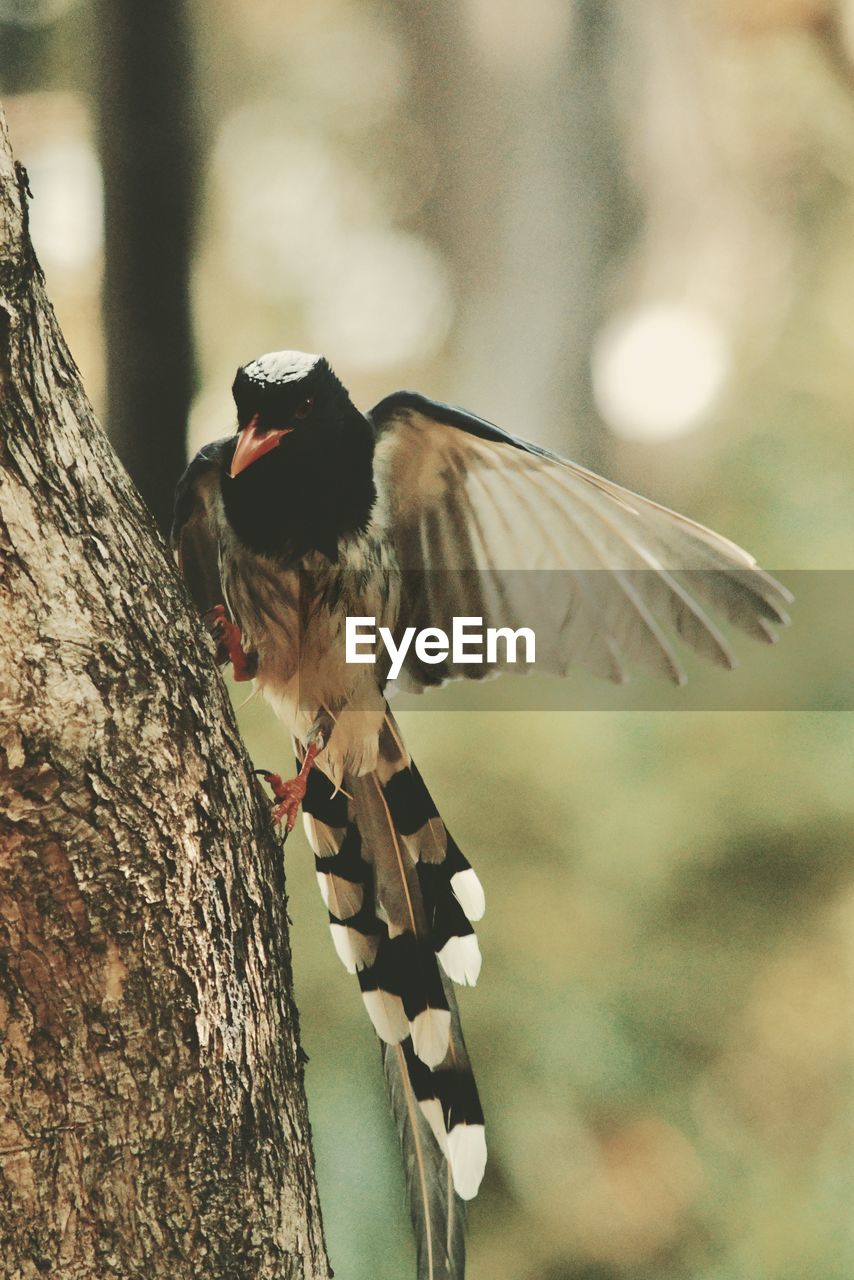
507,532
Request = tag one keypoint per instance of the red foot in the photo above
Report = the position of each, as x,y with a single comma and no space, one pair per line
229,644
289,795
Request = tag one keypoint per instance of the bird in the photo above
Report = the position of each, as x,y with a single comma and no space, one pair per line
414,513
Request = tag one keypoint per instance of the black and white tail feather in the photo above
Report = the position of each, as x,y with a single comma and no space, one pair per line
401,899
438,1212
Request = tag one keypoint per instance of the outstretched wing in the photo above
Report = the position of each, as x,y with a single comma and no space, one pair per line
489,526
193,533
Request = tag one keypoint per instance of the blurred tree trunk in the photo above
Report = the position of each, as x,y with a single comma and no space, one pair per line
148,144
534,210
152,1114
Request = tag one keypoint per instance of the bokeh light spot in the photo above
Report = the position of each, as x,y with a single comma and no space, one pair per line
66,212
384,301
658,369
34,13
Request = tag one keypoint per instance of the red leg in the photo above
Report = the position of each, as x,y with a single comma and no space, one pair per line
230,645
289,795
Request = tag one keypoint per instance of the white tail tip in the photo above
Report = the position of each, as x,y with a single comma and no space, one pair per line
355,950
342,897
432,1112
461,959
467,1154
386,1013
324,840
430,1032
468,892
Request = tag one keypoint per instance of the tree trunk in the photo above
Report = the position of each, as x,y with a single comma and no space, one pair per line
148,146
152,1115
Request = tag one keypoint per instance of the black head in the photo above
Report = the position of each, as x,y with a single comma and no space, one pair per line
300,473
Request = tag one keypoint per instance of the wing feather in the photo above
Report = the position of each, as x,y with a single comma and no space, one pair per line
193,535
485,525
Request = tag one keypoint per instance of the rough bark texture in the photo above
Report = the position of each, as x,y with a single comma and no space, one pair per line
152,1115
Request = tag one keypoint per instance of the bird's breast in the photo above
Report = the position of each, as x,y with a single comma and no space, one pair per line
294,618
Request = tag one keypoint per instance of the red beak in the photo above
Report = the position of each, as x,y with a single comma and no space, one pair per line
252,444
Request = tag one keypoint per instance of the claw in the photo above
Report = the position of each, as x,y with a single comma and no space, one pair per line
290,795
229,644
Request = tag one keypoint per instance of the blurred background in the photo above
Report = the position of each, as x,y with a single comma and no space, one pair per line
626,231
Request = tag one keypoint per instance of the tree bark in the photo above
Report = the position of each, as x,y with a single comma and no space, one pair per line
152,1115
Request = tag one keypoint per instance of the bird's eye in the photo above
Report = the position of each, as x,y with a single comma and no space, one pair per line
304,409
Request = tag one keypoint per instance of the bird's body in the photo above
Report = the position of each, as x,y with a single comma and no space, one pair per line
410,515
289,619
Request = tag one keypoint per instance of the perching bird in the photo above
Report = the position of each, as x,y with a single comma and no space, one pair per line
411,514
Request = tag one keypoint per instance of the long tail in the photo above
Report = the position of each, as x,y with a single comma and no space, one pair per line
401,898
